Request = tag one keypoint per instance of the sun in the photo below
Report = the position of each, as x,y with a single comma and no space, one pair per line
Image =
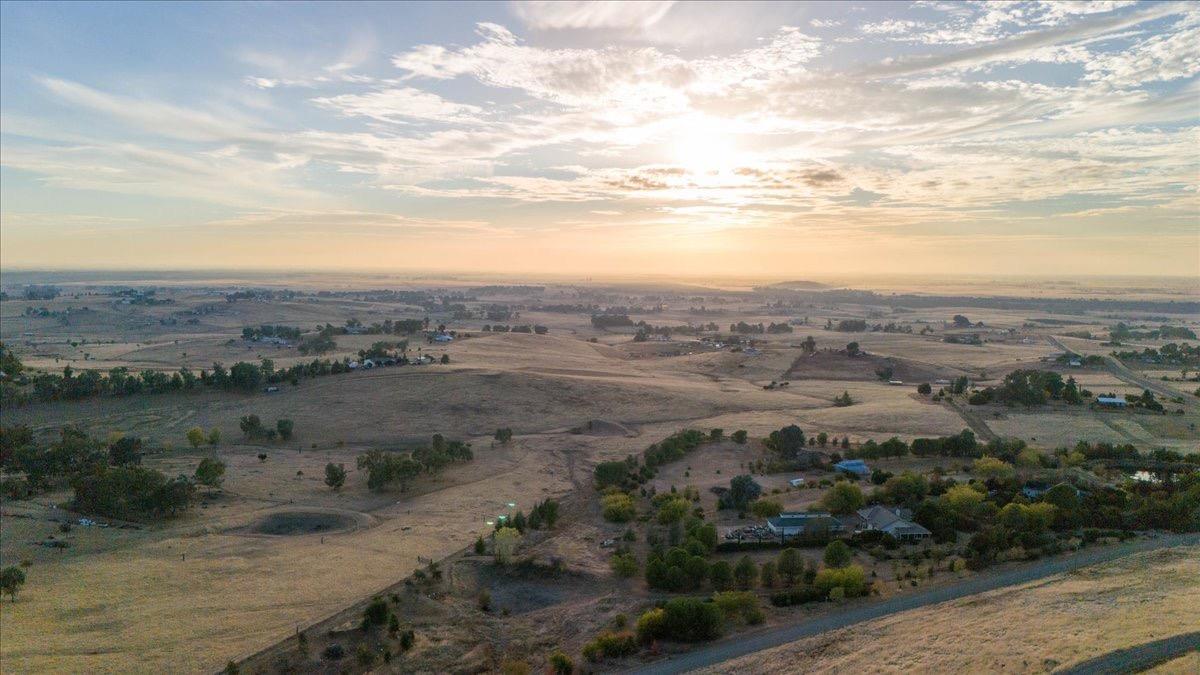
703,148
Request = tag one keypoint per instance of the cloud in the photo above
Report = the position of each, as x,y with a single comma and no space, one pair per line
564,14
396,105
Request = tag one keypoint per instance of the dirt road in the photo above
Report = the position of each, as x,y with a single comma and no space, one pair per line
748,643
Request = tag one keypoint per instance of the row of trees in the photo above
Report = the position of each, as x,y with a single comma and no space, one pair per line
385,469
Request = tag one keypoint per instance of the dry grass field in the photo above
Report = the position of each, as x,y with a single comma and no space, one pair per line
1035,628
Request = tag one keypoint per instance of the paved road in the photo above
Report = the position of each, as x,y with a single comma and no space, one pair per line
1121,372
1139,658
749,643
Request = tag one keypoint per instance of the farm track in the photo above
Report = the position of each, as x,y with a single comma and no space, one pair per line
973,420
744,644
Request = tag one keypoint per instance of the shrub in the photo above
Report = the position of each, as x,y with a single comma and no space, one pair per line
736,605
766,508
333,652
652,625
561,664
838,554
609,645
618,508
739,436
852,579
376,613
693,620
624,565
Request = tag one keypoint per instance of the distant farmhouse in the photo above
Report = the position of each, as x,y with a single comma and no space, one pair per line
1111,401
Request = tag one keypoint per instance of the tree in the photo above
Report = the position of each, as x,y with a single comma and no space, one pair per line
852,349
739,436
789,441
838,554
125,451
506,540
196,437
843,401
335,475
214,436
744,573
11,581
480,547
673,510
766,574
445,359
210,472
692,620
720,574
251,426
822,439
285,427
742,491
992,468
924,389
503,435
843,498
809,345
790,565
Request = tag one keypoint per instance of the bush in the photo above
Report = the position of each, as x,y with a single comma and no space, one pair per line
652,625
739,436
376,613
609,645
333,652
838,554
624,565
851,579
736,605
693,620
796,596
618,508
561,664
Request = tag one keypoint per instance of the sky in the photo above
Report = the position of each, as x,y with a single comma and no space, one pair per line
773,139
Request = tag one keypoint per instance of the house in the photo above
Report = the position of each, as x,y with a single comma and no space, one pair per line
443,337
796,482
804,524
895,383
854,466
1075,363
1035,489
1111,401
892,522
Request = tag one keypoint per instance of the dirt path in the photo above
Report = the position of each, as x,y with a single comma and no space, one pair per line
1139,658
973,420
748,643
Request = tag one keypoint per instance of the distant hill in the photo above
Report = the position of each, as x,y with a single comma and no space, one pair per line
792,286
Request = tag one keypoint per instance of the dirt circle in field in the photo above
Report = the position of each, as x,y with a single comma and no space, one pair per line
296,523
602,428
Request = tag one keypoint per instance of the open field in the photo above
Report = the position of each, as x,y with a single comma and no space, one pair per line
275,549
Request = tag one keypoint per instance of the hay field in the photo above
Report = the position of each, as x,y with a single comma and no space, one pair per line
1034,628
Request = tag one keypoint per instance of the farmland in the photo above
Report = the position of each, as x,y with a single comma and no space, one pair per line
273,549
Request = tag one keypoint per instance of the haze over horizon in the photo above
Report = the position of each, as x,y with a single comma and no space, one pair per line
777,140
